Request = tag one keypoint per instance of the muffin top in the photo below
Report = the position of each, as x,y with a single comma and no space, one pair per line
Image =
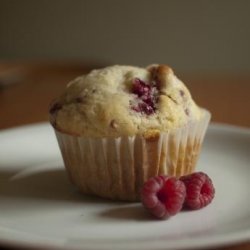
124,101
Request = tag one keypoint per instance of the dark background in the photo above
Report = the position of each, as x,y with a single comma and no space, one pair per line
191,36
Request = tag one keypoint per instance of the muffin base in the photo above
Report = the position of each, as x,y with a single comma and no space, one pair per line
116,168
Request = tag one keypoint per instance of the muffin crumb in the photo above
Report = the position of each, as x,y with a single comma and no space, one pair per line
113,124
138,99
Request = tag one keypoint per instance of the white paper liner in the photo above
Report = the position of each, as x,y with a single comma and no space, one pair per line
116,168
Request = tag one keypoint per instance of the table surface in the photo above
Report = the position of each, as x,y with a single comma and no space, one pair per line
26,89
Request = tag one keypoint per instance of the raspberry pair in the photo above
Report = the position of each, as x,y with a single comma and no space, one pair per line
165,196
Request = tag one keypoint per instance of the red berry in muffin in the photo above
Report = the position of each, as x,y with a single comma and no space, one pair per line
146,96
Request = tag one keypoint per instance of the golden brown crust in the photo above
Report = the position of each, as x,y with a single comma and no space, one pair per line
151,134
162,71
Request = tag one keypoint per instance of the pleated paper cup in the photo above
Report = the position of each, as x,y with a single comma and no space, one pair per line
116,168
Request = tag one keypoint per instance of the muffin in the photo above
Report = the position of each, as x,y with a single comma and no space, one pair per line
120,125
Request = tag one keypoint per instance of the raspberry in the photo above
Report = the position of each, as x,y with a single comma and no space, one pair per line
163,196
147,96
140,88
200,190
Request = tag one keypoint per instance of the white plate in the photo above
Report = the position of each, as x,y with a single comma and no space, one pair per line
40,208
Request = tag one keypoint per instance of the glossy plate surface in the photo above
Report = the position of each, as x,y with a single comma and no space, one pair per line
40,208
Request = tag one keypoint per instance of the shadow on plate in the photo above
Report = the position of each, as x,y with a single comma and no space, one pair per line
51,183
48,184
45,183
134,212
